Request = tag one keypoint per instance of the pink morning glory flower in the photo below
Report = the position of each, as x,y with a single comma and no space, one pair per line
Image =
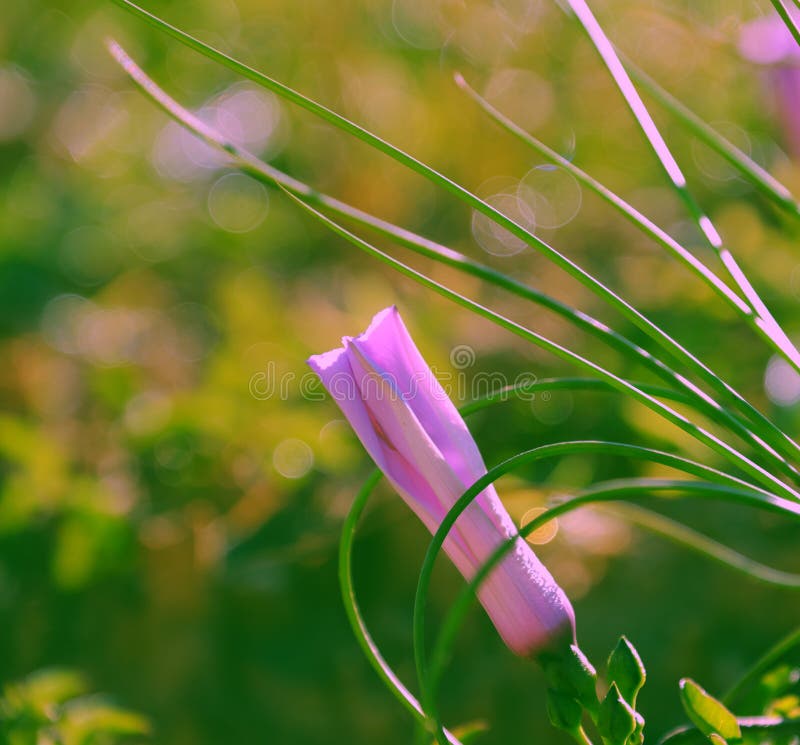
416,436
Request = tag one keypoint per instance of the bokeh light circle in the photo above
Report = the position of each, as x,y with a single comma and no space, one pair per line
545,533
553,195
237,203
495,239
293,458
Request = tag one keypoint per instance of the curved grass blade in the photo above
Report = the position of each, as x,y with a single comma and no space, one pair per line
536,454
623,81
685,536
704,436
347,588
565,383
540,453
370,649
364,638
252,165
648,227
673,348
764,181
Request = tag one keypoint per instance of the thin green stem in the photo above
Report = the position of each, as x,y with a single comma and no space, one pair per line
701,544
647,226
250,164
570,267
582,384
764,320
699,433
764,181
540,453
608,491
663,239
370,649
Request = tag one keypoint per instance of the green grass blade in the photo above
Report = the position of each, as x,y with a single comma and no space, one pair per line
575,384
649,228
565,383
787,19
634,316
608,54
357,622
685,536
370,649
768,433
672,416
536,454
764,181
623,489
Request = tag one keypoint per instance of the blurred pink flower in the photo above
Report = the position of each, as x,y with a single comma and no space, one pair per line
768,42
418,439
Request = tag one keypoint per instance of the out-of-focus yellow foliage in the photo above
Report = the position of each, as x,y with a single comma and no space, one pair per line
171,481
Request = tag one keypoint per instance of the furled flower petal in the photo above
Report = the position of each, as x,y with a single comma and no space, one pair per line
418,439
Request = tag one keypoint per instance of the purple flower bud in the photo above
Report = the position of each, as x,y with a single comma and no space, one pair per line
416,436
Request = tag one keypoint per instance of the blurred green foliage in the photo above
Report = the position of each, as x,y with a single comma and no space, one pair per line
52,707
168,518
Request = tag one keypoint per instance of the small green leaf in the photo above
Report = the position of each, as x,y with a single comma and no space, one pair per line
569,672
625,668
709,715
564,712
616,720
637,738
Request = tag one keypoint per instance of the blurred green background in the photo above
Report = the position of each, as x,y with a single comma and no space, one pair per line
169,522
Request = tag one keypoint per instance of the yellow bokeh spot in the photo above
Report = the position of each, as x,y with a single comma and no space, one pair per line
542,535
